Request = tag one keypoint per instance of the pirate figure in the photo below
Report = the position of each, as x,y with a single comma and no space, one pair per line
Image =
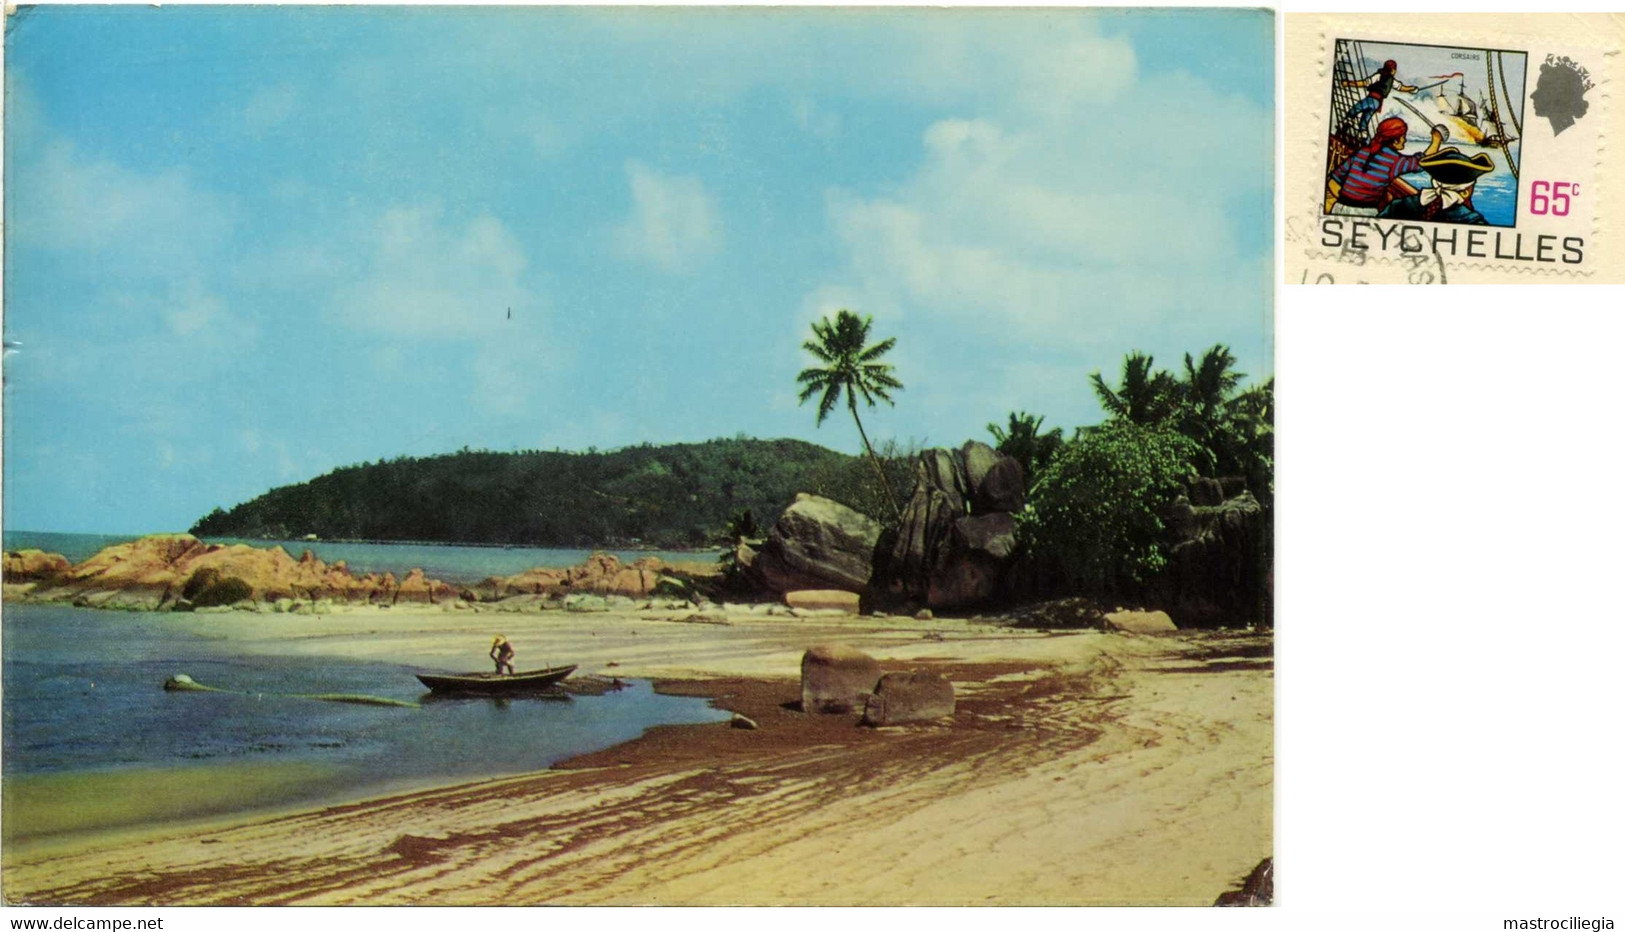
1377,88
1359,186
1450,200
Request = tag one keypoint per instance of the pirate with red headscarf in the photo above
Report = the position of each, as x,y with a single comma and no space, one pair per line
1359,186
1377,88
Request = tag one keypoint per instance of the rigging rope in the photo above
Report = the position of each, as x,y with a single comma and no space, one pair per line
1344,98
1495,111
1511,110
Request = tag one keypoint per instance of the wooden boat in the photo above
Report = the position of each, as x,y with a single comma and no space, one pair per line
495,684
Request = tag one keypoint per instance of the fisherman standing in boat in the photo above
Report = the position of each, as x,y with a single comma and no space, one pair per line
1359,187
502,654
1377,88
1450,200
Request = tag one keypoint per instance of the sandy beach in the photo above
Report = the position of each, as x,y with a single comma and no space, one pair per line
1080,768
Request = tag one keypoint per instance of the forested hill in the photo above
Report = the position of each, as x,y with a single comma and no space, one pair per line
662,496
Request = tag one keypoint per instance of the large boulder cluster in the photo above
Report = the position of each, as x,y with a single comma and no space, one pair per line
179,572
600,574
957,539
954,547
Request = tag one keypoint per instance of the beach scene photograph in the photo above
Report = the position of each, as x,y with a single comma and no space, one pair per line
638,456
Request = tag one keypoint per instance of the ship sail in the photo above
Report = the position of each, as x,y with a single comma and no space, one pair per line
1465,109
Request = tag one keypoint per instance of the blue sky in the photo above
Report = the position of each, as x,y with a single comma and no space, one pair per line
246,245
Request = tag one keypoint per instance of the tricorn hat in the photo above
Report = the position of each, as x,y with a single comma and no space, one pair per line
1451,166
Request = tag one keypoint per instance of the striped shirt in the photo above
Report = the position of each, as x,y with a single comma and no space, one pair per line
1365,177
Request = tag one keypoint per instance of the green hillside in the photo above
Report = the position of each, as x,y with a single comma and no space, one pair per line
661,496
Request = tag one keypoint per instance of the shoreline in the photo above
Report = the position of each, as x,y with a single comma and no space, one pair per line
215,538
1081,768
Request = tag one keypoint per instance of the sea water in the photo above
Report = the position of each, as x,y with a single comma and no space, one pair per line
86,717
459,565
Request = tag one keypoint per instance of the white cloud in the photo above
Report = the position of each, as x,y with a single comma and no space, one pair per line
1074,74
424,276
154,222
674,222
1005,61
421,275
1088,203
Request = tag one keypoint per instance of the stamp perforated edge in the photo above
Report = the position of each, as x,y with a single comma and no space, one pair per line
1316,114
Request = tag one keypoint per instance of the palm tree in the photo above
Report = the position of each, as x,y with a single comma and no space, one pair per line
1208,384
1248,446
850,366
1143,397
1205,401
1023,441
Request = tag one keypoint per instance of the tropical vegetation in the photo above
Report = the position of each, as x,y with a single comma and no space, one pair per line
1094,517
1233,428
678,495
1026,440
1095,512
1143,396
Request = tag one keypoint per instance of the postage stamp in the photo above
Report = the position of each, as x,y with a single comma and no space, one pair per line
1473,155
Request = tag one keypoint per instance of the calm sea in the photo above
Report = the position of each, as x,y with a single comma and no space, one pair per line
450,563
86,717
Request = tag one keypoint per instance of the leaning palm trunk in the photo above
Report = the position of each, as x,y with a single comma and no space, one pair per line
885,483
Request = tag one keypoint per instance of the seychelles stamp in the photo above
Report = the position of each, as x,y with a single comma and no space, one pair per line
1477,153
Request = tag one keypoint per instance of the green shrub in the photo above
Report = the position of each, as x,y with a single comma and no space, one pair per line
1094,513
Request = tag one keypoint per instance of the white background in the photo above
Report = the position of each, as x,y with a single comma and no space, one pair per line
1449,614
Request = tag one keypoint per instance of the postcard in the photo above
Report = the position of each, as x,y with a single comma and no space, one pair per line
643,456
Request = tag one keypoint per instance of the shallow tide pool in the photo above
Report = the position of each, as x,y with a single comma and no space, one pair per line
93,740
